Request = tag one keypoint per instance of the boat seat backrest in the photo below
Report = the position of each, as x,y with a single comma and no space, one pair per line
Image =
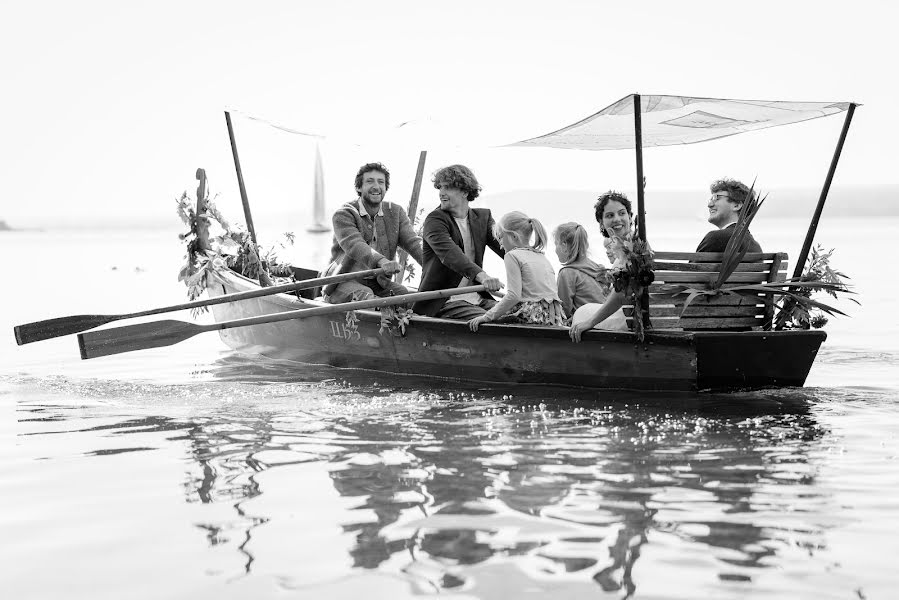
699,270
299,274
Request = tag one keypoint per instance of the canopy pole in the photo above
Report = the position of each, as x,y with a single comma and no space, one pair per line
264,279
243,189
638,147
813,226
641,212
413,208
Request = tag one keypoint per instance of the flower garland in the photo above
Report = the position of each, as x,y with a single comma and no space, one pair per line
395,319
231,249
796,311
631,275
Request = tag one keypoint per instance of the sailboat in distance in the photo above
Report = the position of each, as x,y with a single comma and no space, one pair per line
318,200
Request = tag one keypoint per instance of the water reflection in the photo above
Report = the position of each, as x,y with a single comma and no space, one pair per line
452,490
477,490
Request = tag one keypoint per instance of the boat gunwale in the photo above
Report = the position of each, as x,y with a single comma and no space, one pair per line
668,336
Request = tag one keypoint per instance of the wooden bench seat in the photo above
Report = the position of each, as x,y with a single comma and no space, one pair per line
674,270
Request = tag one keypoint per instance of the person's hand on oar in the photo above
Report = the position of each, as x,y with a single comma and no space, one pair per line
491,284
390,267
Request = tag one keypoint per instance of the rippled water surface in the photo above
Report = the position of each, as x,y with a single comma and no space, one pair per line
193,472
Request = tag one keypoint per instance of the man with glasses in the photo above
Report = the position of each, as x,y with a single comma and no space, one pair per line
728,196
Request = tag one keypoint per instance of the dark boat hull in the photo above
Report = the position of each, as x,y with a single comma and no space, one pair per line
669,361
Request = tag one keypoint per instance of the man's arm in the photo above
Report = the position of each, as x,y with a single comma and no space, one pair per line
437,233
347,233
612,303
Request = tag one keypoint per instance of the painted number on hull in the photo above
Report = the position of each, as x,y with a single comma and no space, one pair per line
345,332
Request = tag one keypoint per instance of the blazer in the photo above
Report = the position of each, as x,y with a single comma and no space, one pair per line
444,263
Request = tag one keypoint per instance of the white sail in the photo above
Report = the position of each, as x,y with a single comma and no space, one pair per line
318,199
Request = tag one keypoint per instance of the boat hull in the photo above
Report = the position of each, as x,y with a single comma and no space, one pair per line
670,361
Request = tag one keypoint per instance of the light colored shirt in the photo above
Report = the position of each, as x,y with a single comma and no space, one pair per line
529,278
468,248
379,229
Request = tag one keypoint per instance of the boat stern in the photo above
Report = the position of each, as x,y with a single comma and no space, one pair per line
755,359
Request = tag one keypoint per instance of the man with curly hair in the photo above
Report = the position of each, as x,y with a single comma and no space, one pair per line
367,232
455,238
728,197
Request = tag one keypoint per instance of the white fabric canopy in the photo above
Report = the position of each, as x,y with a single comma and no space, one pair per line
671,120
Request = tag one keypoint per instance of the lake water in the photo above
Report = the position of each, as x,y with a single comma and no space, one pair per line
195,472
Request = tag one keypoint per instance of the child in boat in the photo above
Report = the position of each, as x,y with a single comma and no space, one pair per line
580,278
531,295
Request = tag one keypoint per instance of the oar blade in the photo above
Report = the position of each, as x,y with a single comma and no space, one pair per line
51,328
129,338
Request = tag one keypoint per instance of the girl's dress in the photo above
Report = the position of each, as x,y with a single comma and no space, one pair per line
531,295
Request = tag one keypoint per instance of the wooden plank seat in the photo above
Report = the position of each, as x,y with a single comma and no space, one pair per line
699,270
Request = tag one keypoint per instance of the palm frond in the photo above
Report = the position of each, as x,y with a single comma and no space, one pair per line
736,245
777,289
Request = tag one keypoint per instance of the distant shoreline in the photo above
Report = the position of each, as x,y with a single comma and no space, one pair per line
4,226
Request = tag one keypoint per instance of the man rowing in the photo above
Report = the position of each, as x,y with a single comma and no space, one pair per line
367,232
455,238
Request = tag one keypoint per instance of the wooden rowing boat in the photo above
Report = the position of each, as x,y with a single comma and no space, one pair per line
715,358
501,354
713,312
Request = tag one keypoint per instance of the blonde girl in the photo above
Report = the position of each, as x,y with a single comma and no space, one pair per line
531,295
579,278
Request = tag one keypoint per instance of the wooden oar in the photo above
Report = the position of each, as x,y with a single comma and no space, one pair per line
51,328
166,333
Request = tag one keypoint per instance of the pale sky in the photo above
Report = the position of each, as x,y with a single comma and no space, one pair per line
110,106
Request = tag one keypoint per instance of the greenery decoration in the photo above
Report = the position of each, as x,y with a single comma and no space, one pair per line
796,309
631,274
227,248
394,319
796,313
352,323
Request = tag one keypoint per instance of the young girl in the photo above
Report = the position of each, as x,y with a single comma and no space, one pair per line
530,280
579,277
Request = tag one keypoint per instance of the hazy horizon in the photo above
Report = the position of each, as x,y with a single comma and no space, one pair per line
878,200
111,107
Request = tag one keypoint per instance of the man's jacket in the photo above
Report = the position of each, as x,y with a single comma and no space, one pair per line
445,263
